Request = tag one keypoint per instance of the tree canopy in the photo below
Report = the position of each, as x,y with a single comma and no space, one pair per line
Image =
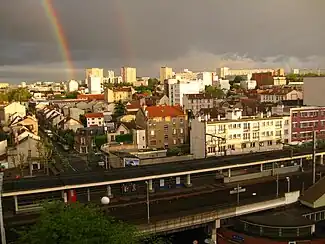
18,95
83,224
119,109
215,92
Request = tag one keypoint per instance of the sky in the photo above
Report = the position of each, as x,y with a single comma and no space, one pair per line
146,34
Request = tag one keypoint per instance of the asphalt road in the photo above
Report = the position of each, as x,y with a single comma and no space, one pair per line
133,172
70,161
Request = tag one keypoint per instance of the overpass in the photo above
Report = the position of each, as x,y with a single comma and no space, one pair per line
216,165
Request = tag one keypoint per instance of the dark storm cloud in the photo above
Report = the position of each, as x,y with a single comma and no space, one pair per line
147,34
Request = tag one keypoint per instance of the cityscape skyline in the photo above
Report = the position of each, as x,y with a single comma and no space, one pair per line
188,38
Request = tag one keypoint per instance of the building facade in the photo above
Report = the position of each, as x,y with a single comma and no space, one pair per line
304,121
275,96
236,134
94,84
313,91
129,74
10,111
166,126
195,102
178,90
165,73
94,119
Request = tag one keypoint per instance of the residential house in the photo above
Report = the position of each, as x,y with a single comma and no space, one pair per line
9,111
55,119
278,95
237,134
30,122
25,149
128,132
75,113
195,102
157,100
166,126
94,119
119,94
84,140
70,124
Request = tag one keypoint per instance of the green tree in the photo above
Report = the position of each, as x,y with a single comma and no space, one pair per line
215,92
83,224
83,120
238,79
72,95
152,83
19,95
100,140
68,136
119,109
77,223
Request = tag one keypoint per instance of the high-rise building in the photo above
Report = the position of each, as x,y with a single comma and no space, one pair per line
165,73
96,72
94,84
110,76
129,74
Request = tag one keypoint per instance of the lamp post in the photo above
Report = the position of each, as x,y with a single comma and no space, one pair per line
3,233
148,203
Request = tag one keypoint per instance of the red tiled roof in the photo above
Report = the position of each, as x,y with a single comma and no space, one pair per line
92,96
134,105
94,115
164,111
122,89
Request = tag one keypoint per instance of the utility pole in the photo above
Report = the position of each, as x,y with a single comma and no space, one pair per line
148,203
314,156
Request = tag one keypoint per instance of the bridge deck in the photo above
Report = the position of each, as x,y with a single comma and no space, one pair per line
26,184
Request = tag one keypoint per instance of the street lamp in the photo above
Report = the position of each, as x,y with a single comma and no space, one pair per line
148,203
288,183
105,200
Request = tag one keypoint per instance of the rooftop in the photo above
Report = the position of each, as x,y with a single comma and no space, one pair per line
94,115
164,111
92,96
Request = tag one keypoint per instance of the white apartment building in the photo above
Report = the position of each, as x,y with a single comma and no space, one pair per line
94,119
96,72
129,74
185,75
236,134
72,85
223,84
195,102
225,71
177,90
206,78
94,84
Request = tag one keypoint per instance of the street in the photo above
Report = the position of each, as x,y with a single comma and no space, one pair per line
69,161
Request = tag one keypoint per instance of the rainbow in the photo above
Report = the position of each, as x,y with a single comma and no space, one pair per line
60,36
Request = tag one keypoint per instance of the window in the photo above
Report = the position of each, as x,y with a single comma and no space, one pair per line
246,136
181,121
121,132
255,135
278,133
174,131
112,138
182,141
181,130
153,142
253,144
269,143
286,132
174,121
174,141
152,132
